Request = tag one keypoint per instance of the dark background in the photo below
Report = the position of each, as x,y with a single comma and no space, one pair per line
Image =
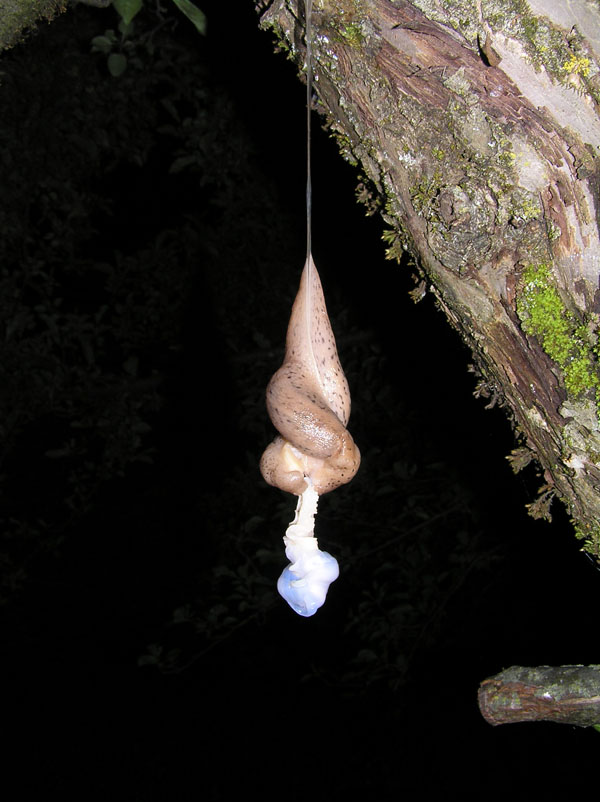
153,237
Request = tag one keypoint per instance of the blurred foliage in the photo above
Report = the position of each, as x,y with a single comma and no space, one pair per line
121,49
141,248
94,283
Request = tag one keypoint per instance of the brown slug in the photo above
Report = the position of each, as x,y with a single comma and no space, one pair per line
308,401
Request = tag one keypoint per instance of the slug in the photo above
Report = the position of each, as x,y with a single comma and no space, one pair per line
308,401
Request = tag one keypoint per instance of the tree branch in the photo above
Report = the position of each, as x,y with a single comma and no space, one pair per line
565,694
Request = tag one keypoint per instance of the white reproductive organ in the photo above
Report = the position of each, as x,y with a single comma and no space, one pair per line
305,582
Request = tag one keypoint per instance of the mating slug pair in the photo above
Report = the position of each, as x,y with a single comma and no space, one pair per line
308,401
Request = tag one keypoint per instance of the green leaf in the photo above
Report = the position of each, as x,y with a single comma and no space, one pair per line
102,44
194,14
117,64
131,365
181,163
58,453
125,28
127,9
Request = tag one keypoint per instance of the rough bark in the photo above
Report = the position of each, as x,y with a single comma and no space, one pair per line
476,127
17,17
564,694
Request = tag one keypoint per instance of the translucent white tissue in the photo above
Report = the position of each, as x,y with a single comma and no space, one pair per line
305,582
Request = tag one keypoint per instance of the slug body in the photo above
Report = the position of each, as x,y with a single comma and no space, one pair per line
308,401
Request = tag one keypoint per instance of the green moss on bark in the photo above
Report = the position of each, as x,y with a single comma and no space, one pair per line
561,335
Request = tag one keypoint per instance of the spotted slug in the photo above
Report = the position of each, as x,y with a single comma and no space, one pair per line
308,401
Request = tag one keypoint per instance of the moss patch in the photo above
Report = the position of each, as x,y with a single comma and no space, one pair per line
352,34
590,538
565,339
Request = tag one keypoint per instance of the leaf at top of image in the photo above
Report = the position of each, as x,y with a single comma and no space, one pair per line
127,9
193,13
